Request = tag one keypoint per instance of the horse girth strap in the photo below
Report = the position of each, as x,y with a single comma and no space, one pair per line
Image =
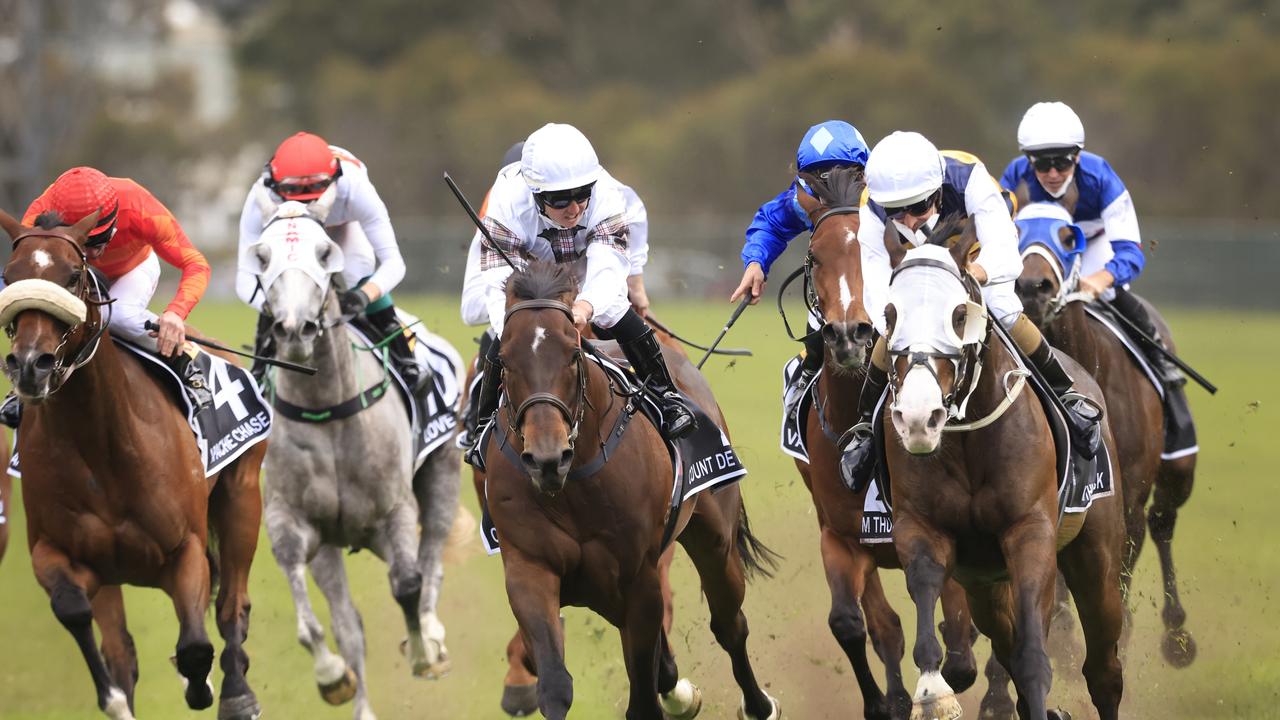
831,212
593,466
543,304
362,401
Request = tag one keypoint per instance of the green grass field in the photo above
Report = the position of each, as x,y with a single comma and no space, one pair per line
1223,547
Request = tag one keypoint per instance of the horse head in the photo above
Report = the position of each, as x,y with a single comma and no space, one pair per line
1051,249
296,262
834,263
936,323
544,375
47,307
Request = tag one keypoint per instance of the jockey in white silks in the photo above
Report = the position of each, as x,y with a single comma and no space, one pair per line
910,187
559,205
307,169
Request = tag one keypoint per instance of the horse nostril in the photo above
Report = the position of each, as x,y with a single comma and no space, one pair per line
862,332
526,457
1046,285
566,458
44,363
310,329
936,418
277,329
11,363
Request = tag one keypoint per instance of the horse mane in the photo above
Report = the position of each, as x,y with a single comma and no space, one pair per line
543,281
949,227
842,187
49,219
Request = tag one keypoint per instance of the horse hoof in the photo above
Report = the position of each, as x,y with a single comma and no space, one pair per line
1179,648
945,707
684,702
433,670
775,710
520,700
191,661
1059,714
117,705
242,707
340,691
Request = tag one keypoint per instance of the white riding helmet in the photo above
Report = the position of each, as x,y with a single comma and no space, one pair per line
558,157
1050,125
903,168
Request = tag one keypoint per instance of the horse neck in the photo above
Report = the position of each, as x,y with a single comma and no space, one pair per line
1070,332
603,402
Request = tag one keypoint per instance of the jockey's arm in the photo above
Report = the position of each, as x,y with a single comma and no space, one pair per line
494,271
604,283
875,266
998,259
369,210
172,245
1120,225
775,224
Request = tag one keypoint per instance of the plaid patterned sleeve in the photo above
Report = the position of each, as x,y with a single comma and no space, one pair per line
612,231
510,243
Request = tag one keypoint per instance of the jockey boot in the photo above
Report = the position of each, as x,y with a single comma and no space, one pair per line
192,378
386,324
264,345
487,401
471,410
810,364
11,410
858,457
1133,309
645,356
1083,418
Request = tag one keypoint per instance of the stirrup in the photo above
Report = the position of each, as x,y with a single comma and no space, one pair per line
678,419
857,457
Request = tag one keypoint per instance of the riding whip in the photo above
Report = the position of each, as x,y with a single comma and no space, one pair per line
1191,373
746,300
476,219
149,325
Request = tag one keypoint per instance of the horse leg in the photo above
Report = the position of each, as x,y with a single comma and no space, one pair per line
1173,488
960,668
520,686
641,627
885,628
395,545
235,510
348,628
679,697
925,560
188,586
847,568
994,617
1029,552
1089,565
533,591
69,588
436,488
117,644
715,554
293,541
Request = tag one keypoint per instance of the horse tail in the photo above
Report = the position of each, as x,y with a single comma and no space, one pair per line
757,558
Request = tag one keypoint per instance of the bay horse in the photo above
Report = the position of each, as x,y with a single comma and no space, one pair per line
114,489
596,540
1046,288
345,479
833,267
981,506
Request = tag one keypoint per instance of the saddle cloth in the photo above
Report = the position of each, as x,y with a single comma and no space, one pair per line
239,418
702,460
433,411
1179,428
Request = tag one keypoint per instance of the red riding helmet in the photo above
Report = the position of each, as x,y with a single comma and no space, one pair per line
79,192
303,167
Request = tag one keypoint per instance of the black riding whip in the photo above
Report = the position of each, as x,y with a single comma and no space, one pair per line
1191,373
149,325
746,300
457,192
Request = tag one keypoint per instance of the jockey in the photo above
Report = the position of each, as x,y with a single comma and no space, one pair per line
133,228
475,311
305,168
560,206
826,146
913,185
1053,163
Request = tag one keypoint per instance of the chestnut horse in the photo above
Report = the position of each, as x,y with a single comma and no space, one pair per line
596,540
114,489
982,505
834,273
1136,411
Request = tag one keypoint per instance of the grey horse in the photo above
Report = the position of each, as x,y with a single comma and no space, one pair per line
349,482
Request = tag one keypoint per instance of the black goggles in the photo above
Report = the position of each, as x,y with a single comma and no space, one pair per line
1059,162
561,199
287,190
914,209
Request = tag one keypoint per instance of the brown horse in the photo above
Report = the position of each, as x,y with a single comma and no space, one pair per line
982,506
834,266
1136,418
596,540
115,490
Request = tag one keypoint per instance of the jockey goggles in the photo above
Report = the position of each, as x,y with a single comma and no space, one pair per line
915,209
1058,161
100,238
561,199
303,185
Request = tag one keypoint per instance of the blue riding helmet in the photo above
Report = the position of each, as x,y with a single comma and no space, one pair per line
831,142
1043,232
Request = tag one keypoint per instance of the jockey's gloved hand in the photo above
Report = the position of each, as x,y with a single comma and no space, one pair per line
352,302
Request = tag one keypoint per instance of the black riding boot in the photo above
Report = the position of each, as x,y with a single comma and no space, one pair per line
1128,305
386,324
264,345
645,356
487,401
859,456
1083,418
11,410
192,377
810,364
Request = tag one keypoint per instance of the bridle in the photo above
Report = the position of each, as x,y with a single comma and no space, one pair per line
1068,284
571,416
322,320
809,290
86,292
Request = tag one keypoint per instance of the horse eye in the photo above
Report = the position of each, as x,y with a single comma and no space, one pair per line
74,280
957,318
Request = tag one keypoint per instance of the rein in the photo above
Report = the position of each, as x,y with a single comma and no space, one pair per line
810,293
545,398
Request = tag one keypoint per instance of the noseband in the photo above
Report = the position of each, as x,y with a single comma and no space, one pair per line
574,419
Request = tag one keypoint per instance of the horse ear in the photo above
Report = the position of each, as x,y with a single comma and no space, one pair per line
893,244
1071,198
807,201
330,256
960,252
82,228
1021,195
11,225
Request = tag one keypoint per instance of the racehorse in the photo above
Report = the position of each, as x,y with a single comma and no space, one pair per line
833,268
345,477
596,540
981,506
114,489
1136,412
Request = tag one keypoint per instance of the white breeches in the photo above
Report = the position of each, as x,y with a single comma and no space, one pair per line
1002,303
132,293
357,252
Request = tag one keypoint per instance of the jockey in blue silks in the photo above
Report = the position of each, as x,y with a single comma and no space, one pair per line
1056,168
827,145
